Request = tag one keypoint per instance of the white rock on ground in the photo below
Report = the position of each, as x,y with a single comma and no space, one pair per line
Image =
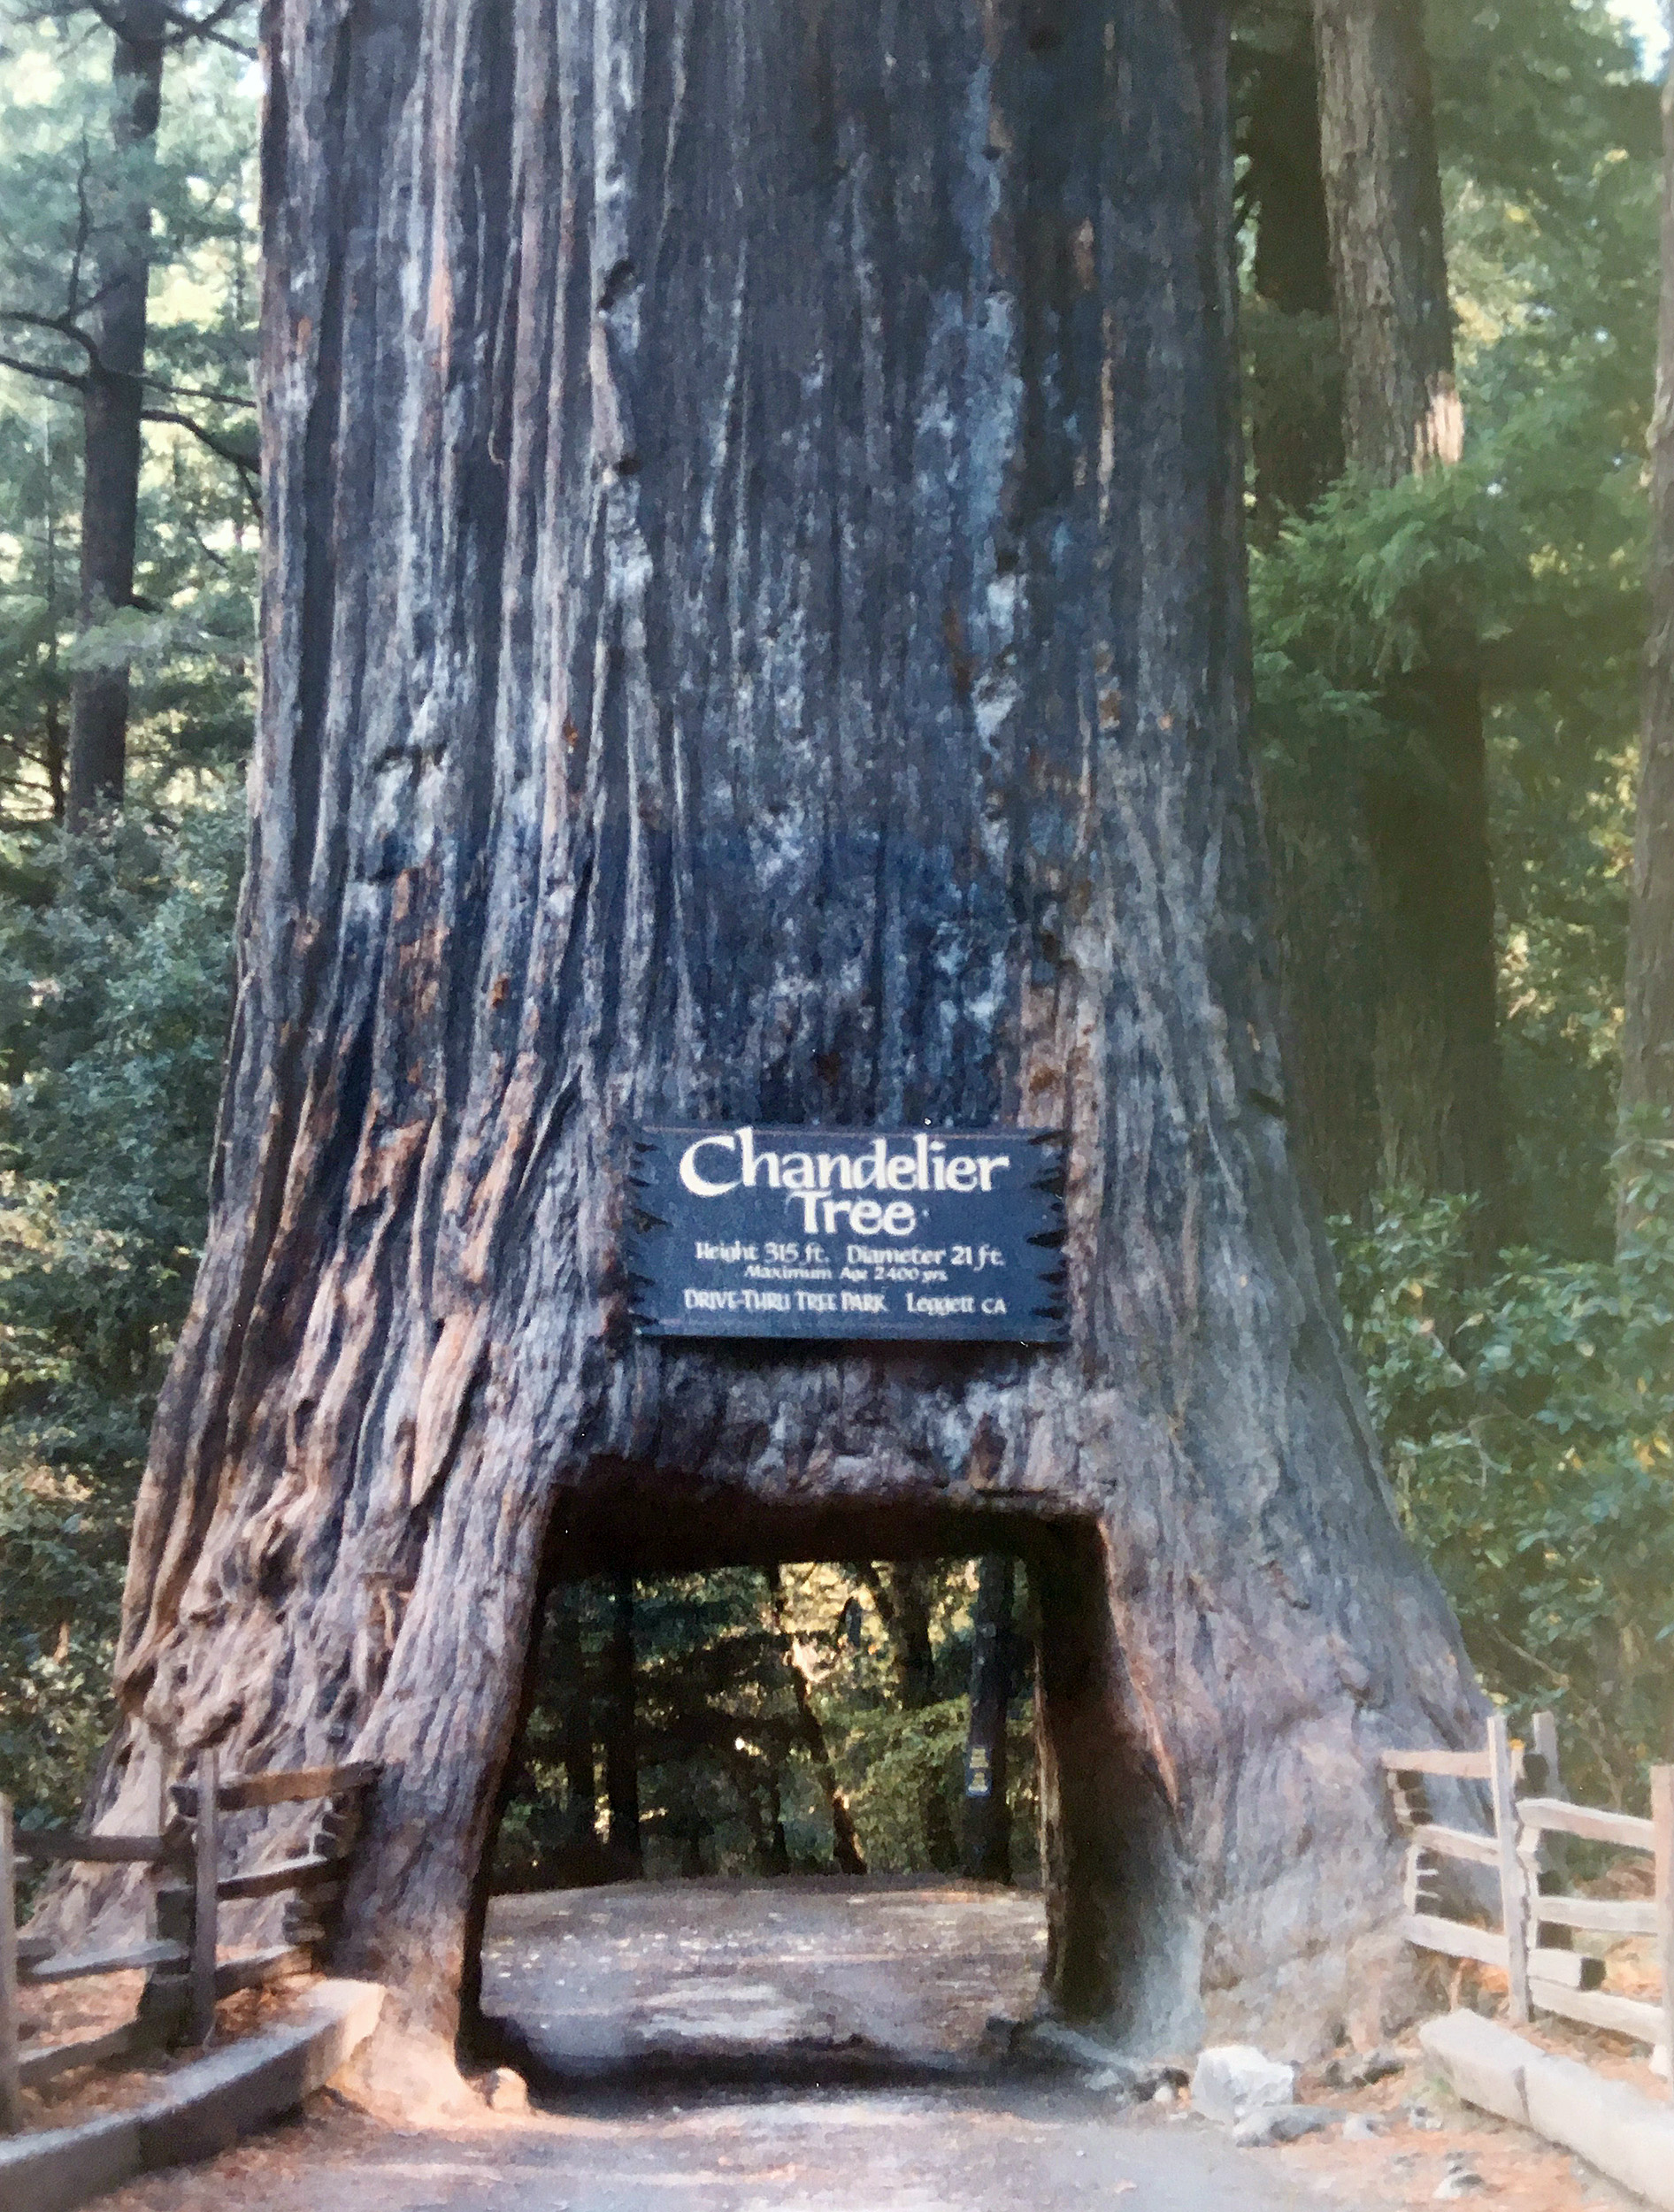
1233,2079
506,2091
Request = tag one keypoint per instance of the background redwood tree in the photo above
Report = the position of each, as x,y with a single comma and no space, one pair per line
74,317
1648,1028
752,624
1436,1046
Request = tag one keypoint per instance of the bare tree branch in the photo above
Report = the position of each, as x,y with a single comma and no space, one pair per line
245,459
195,391
64,324
187,27
190,27
195,25
43,370
183,25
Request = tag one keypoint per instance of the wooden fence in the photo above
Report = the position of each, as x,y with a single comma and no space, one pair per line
1525,1850
186,1973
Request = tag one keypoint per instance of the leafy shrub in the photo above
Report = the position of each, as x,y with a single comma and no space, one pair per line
1528,1429
115,984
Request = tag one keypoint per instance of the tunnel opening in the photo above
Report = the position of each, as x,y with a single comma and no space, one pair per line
806,1794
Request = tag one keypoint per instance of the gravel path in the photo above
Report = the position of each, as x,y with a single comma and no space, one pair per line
944,2150
793,1979
699,2041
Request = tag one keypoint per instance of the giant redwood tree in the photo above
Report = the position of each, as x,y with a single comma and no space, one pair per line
753,631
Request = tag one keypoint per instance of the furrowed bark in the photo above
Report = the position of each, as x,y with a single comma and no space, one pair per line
1436,1049
1647,1024
113,395
753,630
1383,195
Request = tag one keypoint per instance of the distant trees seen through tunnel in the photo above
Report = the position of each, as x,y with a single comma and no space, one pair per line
804,1719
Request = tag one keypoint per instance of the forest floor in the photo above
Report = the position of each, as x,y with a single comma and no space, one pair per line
820,2047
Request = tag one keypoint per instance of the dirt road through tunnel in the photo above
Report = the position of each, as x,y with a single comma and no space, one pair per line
817,1978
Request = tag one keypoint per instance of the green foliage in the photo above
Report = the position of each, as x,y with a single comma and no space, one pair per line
190,642
1528,559
728,1783
115,978
891,1759
1528,1428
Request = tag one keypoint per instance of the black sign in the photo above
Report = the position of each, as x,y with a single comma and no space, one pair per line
934,1233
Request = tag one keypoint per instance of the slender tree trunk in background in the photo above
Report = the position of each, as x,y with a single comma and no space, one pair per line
777,1858
1383,198
565,1665
847,1855
987,1808
1647,1027
56,759
621,1738
753,629
1437,1063
1321,867
113,397
1295,371
904,1594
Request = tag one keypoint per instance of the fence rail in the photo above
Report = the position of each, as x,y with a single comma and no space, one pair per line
186,1973
1525,1843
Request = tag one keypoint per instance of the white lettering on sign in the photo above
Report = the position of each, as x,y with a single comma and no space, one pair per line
806,1177
697,1183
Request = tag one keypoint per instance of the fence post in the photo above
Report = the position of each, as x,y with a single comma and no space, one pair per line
1551,1863
1513,1900
10,2094
1663,1827
207,1864
1544,1734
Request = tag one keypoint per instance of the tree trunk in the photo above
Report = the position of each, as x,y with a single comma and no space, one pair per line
621,1739
1320,864
1437,1052
564,1669
905,1593
753,628
846,1852
1389,265
1295,368
988,1826
1647,1027
113,395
